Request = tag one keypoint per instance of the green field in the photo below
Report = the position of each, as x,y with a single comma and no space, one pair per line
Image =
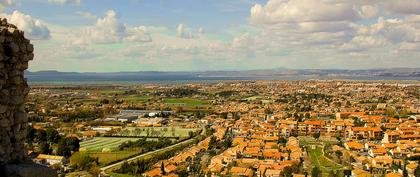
108,157
135,98
99,144
185,101
323,163
111,92
156,131
152,155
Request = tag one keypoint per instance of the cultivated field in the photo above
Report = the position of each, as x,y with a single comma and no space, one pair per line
185,101
99,144
108,157
157,131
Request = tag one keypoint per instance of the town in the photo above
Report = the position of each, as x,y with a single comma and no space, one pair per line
238,128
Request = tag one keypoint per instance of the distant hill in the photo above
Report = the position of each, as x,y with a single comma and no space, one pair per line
269,74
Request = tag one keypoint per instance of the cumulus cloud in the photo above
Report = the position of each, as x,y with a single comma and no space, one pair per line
33,28
6,3
243,41
110,30
76,2
87,15
292,11
337,24
183,32
402,6
369,11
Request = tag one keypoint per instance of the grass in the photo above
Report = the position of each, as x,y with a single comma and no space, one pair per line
106,158
322,162
99,144
154,131
111,92
185,101
119,174
149,156
135,98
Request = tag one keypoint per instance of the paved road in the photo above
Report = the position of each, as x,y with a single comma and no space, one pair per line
145,154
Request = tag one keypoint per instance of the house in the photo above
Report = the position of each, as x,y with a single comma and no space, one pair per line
49,159
352,145
272,173
360,173
241,171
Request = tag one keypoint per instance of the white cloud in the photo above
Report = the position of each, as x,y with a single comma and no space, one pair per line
87,15
33,28
292,11
7,3
110,30
369,11
403,6
362,43
243,41
183,32
76,2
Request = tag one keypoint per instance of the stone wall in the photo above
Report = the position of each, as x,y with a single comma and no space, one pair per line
15,52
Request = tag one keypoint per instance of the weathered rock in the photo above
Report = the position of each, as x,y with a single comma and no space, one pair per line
27,170
3,109
15,52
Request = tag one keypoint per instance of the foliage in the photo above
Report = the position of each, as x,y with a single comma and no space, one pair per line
146,145
68,145
82,161
316,172
316,135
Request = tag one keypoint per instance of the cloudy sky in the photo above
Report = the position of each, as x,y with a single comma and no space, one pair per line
191,35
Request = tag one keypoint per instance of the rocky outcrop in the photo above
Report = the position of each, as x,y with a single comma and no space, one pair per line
27,169
15,52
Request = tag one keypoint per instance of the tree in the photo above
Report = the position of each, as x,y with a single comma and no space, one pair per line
417,170
282,140
52,135
181,171
41,135
67,145
162,168
212,143
31,134
316,172
82,161
45,148
317,135
405,172
227,143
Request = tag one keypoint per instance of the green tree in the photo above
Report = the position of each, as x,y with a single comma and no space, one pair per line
31,134
181,171
417,170
317,135
82,161
405,172
212,143
45,148
316,172
67,145
162,168
52,135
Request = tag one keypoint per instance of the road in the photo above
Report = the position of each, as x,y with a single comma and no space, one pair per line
103,169
145,154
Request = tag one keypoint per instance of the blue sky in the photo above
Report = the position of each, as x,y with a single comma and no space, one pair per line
186,35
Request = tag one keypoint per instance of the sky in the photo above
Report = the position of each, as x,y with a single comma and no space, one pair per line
204,35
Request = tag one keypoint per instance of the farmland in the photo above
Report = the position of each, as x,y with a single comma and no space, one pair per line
319,160
185,102
157,131
108,157
99,144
